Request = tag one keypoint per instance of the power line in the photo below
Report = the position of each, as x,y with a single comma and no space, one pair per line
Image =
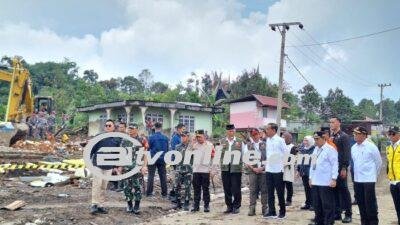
301,74
350,38
334,59
358,80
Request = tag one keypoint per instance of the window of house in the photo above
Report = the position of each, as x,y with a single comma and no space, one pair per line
188,121
265,112
155,117
121,117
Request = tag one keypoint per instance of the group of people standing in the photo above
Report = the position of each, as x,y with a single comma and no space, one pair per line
40,123
325,180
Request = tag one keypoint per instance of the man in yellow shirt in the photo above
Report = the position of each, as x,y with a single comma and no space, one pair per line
393,156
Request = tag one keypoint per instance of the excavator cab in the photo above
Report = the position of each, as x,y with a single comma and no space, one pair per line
43,104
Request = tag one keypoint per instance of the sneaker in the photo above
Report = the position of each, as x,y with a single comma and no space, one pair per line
281,216
270,215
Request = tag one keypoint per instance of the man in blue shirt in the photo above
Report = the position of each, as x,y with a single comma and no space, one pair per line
158,142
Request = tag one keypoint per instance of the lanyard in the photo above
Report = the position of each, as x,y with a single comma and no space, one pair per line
315,165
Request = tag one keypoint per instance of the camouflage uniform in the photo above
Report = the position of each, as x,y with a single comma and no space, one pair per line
183,177
132,186
51,122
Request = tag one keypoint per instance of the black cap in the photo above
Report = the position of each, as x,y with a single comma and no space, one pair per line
360,130
394,129
318,134
185,133
230,127
199,132
158,125
326,129
133,126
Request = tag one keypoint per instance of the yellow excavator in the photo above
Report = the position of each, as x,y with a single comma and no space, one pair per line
21,103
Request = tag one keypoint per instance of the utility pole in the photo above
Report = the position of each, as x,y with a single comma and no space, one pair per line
382,86
282,27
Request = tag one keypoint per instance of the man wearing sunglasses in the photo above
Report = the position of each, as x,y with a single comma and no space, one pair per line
393,156
99,185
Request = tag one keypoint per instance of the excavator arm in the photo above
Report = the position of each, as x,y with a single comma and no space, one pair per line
20,100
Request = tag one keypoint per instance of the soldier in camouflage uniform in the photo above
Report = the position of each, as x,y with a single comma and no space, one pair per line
133,185
257,177
183,175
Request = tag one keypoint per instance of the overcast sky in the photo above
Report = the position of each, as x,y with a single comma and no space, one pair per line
173,38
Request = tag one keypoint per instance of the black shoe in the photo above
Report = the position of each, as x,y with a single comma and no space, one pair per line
346,219
288,204
195,208
136,209
129,208
228,210
235,211
186,206
281,216
206,208
93,209
102,210
338,217
270,215
305,207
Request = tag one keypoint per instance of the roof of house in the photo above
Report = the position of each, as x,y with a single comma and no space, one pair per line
168,105
262,100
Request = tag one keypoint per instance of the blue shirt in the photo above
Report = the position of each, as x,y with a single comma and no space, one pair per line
158,142
175,140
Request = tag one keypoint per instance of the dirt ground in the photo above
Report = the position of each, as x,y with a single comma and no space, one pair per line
45,207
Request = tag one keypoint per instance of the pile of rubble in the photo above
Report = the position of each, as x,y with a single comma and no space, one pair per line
49,147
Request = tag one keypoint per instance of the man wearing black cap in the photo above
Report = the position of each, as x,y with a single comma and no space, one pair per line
342,193
323,175
393,157
201,171
232,174
367,164
158,142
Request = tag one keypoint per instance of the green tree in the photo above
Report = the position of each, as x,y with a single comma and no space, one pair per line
159,87
90,76
389,113
337,104
130,85
367,108
311,102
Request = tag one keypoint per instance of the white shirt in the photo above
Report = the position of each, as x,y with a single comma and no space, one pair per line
276,148
204,149
367,162
326,165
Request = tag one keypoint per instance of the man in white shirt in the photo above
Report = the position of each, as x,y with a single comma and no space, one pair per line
323,175
367,163
276,148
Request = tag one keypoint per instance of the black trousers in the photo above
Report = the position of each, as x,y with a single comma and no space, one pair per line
307,190
324,205
395,191
342,197
289,190
201,182
366,200
232,183
162,172
275,182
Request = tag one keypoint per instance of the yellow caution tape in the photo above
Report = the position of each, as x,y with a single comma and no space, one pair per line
65,165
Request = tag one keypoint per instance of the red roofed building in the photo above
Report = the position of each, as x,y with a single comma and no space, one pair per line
254,111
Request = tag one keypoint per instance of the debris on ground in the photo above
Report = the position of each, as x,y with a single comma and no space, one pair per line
15,205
